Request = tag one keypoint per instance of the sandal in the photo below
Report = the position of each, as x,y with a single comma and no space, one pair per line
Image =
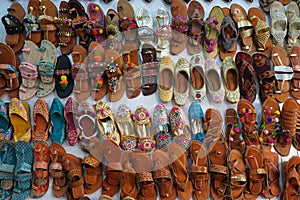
41,121
231,78
64,82
283,73
196,118
162,175
132,73
8,56
272,187
213,122
66,34
58,124
182,182
163,32
212,32
40,183
114,74
73,168
80,73
59,185
278,23
11,81
181,83
166,74
8,164
129,189
29,70
19,114
114,36
197,72
266,5
31,23
238,179
247,83
97,23
199,170
295,83
270,122
296,138
106,122
257,173
46,68
143,125
292,181
180,127
162,127
233,134
292,13
245,27
23,170
6,129
196,27
179,27
70,110
262,32
126,128
215,88
96,68
283,139
13,26
93,167
266,76
247,116
149,70
46,19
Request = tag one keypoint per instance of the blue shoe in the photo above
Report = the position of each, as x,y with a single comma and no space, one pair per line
196,118
58,125
7,167
6,129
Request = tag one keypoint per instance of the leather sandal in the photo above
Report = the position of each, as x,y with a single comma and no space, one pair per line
233,134
144,177
40,183
270,122
182,182
238,179
162,175
199,171
59,185
129,188
132,73
93,167
10,81
97,23
8,56
114,36
96,69
64,82
14,29
80,73
266,76
257,172
245,27
213,122
31,23
283,73
262,32
271,188
163,32
112,153
72,132
296,138
247,116
41,120
283,139
73,167
295,83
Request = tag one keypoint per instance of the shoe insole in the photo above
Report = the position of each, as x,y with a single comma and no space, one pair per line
181,82
87,126
231,79
166,78
144,131
58,122
40,122
70,120
197,79
213,80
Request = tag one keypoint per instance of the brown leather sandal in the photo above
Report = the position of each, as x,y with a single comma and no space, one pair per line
183,184
295,61
40,130
199,170
73,167
129,189
93,167
31,24
257,172
144,177
59,185
162,175
238,179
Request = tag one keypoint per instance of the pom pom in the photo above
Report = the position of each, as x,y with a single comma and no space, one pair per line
266,132
276,120
231,139
242,119
241,138
261,139
269,119
271,141
277,112
236,130
262,126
